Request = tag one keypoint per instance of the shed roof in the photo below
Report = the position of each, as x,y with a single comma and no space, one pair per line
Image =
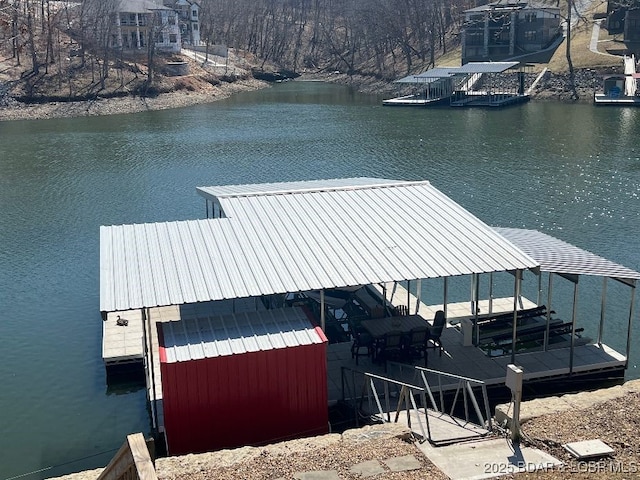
300,240
557,256
219,336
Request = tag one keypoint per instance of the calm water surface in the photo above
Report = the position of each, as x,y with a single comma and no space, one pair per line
572,171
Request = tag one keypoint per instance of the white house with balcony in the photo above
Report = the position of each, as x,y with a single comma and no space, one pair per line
138,21
188,19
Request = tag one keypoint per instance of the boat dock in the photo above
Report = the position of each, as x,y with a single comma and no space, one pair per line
258,307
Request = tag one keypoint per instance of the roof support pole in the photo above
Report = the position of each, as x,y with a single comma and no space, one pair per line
418,292
539,299
549,296
206,202
475,287
491,292
516,294
574,314
445,295
322,316
631,308
602,313
408,294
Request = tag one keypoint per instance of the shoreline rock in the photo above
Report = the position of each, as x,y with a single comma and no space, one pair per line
14,110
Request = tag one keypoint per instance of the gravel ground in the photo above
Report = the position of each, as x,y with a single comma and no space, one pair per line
615,422
328,452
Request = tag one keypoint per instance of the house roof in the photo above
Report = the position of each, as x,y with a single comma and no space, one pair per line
511,5
557,256
139,6
287,238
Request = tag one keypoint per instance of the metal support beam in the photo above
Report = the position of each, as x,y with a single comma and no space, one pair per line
631,308
603,302
491,292
516,294
445,295
574,315
322,315
549,296
418,292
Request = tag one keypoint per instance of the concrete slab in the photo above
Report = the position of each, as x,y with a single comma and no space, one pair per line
319,475
403,464
367,469
588,449
487,459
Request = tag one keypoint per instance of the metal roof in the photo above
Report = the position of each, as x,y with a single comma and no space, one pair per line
218,336
220,191
288,242
557,256
486,67
429,76
438,73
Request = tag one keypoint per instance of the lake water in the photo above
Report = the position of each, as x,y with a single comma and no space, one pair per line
569,170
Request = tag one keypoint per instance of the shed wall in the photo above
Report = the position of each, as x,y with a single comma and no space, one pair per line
249,399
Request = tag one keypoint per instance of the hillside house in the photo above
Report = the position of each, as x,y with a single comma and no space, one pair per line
624,17
138,20
188,19
500,30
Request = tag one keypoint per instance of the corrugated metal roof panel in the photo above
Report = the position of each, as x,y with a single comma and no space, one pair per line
314,239
430,75
557,256
291,187
486,67
208,337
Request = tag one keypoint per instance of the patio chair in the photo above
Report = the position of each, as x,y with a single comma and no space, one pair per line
391,346
417,343
435,332
362,339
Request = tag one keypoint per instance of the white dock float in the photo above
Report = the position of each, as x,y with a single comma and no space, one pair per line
123,344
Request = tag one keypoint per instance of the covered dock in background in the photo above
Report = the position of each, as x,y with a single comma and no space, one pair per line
475,84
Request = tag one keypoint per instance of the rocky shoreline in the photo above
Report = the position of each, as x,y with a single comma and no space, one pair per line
14,110
551,87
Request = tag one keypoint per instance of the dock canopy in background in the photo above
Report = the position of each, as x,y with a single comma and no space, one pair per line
467,69
556,256
280,239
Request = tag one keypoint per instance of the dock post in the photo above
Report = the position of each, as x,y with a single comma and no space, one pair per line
602,307
633,298
514,382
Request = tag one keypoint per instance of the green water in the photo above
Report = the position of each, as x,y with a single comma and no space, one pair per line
569,170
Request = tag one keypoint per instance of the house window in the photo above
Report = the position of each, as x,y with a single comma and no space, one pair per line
159,37
132,19
530,17
530,36
195,27
173,38
194,14
171,20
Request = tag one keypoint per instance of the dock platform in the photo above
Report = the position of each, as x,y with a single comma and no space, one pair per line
471,361
123,344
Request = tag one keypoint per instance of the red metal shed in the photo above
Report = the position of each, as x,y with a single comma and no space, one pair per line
243,379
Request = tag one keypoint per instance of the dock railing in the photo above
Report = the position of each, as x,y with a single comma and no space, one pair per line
463,390
383,395
132,461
